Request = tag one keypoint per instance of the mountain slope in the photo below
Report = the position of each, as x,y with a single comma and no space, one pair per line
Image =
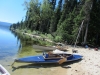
5,23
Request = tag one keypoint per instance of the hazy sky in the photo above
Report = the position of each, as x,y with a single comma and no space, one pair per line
12,11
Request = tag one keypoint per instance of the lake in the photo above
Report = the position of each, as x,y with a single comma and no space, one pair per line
14,45
8,45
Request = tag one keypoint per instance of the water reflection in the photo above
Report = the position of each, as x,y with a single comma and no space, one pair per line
8,45
26,44
25,47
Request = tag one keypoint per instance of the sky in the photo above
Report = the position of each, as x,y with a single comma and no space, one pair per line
12,11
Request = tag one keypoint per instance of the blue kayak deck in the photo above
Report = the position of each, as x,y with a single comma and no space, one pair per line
41,59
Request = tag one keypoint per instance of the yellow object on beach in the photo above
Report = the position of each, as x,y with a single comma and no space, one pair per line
62,60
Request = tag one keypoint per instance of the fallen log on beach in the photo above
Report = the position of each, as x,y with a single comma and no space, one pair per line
43,48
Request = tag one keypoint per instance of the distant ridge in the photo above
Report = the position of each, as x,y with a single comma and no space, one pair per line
5,23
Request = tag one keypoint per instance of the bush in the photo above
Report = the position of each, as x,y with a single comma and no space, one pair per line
58,38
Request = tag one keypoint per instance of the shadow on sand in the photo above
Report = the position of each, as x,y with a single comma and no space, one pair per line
37,66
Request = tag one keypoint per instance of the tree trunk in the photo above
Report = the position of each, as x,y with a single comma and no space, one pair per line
85,37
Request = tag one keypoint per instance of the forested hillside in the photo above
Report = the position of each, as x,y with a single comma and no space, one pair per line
63,18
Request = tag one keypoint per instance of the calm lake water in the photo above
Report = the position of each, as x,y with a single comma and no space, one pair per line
13,46
8,45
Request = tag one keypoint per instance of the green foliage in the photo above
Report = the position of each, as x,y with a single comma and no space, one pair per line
58,38
62,21
29,31
49,36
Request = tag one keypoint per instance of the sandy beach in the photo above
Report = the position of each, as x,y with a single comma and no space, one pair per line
89,65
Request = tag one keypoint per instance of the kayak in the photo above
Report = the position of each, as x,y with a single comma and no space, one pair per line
49,58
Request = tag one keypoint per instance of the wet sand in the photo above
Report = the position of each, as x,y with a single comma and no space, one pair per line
38,69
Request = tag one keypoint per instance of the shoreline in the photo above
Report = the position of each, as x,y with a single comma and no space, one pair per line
33,35
88,66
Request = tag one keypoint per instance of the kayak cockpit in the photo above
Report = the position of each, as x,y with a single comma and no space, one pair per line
56,56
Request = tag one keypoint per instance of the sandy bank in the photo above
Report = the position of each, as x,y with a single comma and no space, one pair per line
90,65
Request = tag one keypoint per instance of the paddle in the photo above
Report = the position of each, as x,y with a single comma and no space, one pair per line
12,63
62,60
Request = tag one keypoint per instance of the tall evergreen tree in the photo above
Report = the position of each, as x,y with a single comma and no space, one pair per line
55,17
46,13
94,26
64,19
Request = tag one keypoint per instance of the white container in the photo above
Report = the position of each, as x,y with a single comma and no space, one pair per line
3,71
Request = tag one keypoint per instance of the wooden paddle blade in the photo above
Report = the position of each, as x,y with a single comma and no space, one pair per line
62,60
